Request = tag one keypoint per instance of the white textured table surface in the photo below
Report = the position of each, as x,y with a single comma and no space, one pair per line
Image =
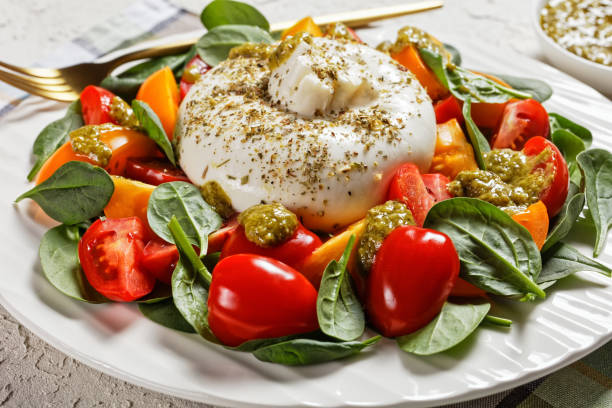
34,374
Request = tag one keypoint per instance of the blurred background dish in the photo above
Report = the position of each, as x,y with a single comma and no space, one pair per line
595,74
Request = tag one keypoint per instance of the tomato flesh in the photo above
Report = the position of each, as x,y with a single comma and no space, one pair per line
412,276
159,258
153,171
555,194
447,109
521,121
408,187
196,65
109,252
96,105
253,297
292,252
436,183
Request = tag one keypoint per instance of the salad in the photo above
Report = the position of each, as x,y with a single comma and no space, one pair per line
290,195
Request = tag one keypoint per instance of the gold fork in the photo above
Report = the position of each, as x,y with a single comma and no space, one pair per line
65,84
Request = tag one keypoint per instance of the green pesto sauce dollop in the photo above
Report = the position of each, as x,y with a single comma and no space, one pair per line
86,141
217,198
268,225
252,50
380,221
512,182
339,31
410,35
286,47
123,113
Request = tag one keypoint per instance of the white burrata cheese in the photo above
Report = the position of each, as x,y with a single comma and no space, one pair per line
322,132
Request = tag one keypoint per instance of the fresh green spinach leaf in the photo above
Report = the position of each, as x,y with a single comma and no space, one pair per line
308,351
160,293
54,135
59,260
464,84
224,12
558,122
596,165
76,192
479,142
570,146
127,83
153,127
539,90
252,345
166,314
567,217
497,254
183,200
190,295
454,52
453,324
562,260
338,310
215,45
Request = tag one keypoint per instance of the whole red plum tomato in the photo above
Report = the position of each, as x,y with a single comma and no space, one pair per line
253,297
412,276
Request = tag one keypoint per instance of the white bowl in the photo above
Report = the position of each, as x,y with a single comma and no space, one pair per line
599,76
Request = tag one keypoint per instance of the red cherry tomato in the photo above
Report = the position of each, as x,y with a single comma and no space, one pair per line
153,171
193,69
447,109
96,105
554,195
253,297
412,276
436,183
521,121
407,187
159,259
291,252
217,239
109,253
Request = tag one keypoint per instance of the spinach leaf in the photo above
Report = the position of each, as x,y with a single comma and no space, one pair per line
127,83
224,12
338,309
153,127
477,139
308,351
190,295
165,314
252,345
567,217
596,165
497,254
558,122
160,293
183,200
54,135
539,90
76,192
464,84
215,45
453,324
562,260
454,52
59,259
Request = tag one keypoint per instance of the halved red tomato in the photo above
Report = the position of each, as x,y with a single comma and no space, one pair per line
292,252
521,121
153,171
554,195
109,252
159,258
447,109
436,183
96,105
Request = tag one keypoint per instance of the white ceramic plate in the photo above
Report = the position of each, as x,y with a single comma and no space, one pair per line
575,319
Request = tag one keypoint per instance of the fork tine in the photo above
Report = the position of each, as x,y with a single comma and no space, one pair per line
62,96
34,82
36,72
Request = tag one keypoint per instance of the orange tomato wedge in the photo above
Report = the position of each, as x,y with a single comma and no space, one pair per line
124,143
161,93
306,25
315,263
409,57
130,199
453,152
535,219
